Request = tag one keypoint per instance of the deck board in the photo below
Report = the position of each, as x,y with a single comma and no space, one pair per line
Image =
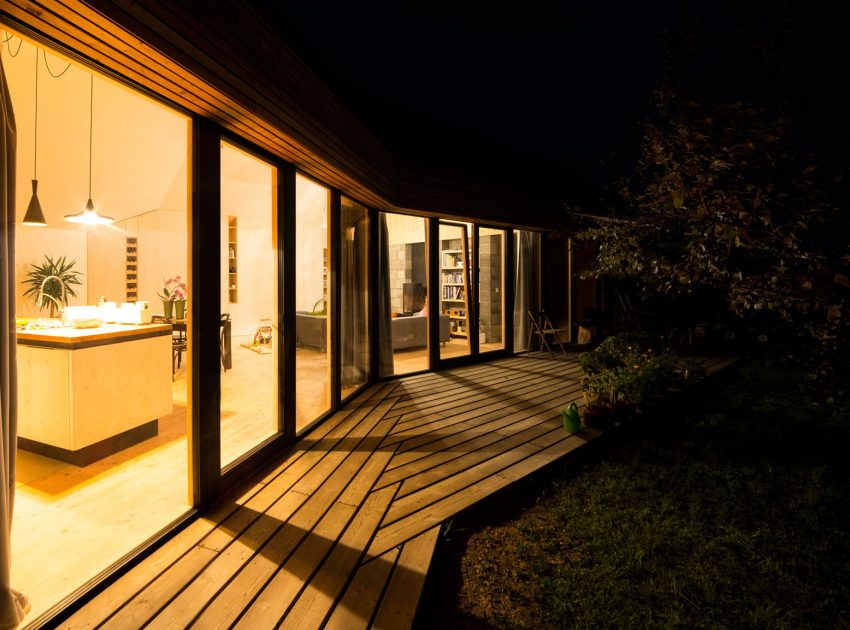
339,533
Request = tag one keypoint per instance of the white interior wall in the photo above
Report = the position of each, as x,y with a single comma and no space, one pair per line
247,193
139,161
311,239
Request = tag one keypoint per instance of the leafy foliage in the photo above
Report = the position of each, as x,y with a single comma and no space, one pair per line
720,202
58,279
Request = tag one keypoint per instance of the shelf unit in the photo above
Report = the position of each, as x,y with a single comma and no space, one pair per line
454,283
232,260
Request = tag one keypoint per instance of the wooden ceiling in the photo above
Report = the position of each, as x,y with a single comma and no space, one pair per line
219,60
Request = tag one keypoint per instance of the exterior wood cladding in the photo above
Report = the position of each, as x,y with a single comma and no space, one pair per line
219,60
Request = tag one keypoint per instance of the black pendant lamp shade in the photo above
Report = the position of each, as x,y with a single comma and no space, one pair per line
35,215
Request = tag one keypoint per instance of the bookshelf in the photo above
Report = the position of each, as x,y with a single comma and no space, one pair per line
232,260
454,283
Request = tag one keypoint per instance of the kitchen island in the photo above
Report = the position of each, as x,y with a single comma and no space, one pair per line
86,393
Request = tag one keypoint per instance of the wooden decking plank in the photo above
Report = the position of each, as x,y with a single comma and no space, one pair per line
316,601
473,394
469,459
401,598
495,404
334,488
409,516
471,422
358,603
457,444
499,376
288,582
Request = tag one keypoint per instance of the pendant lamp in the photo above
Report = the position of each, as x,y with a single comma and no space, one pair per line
35,215
90,216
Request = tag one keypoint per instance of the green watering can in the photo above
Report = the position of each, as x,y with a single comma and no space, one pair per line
571,418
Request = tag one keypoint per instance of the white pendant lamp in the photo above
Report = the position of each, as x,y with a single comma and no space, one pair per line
90,216
34,215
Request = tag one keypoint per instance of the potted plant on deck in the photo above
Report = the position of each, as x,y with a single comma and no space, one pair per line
620,374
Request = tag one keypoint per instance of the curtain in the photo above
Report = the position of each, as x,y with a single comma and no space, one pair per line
385,331
525,290
13,605
354,276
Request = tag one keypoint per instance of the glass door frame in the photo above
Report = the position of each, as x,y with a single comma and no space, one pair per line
434,263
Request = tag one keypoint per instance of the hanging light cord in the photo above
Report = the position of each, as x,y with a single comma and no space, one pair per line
35,135
55,76
9,46
91,125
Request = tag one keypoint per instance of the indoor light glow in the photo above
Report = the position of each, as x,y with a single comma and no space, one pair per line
89,216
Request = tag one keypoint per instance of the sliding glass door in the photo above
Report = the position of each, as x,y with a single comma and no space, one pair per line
456,313
313,304
249,339
491,288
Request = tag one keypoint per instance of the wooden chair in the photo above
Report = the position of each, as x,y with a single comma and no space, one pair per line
179,342
539,328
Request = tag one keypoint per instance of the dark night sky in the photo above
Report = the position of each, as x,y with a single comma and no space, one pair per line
558,89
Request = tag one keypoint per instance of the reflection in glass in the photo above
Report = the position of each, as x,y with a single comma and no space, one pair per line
455,313
491,269
354,276
527,287
402,298
312,301
249,337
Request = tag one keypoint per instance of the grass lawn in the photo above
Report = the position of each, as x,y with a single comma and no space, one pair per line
734,512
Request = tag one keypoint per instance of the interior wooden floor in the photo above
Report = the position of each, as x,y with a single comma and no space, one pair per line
340,533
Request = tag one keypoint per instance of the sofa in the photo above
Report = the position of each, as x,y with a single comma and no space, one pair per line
412,332
408,332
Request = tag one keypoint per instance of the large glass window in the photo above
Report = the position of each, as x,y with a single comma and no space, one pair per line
402,298
455,288
312,301
249,338
354,305
491,284
101,464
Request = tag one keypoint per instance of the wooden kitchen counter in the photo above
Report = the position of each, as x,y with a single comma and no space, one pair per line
85,393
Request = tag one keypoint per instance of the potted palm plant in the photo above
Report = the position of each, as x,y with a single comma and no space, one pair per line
51,283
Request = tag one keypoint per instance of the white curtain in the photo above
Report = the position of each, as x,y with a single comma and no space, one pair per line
13,605
386,366
526,295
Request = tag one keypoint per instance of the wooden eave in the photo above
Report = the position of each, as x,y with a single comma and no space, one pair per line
219,60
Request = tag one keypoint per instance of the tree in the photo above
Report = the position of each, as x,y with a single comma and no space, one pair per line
721,201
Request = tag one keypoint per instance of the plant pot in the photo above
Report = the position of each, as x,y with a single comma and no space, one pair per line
180,309
601,418
168,309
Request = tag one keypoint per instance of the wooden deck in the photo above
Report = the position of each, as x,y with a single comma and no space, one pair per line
340,534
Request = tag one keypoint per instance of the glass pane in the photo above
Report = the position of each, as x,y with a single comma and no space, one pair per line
491,283
101,460
249,335
312,303
354,305
454,290
527,284
403,286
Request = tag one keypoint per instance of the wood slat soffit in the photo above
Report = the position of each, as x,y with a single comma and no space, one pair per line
219,60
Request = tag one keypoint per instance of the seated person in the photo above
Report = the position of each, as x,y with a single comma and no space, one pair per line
424,311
